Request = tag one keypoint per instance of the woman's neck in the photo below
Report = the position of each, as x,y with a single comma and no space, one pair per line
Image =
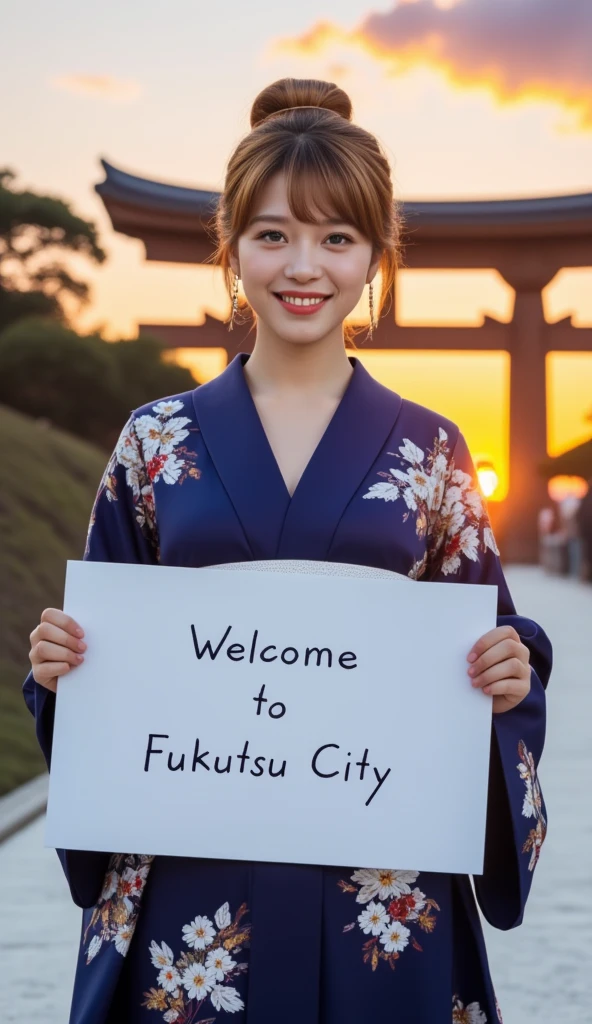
277,366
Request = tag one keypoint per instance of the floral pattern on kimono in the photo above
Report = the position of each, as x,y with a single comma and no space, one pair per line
532,806
205,972
393,912
446,502
471,1014
114,917
149,448
239,510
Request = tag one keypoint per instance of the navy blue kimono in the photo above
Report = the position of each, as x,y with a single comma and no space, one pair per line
193,482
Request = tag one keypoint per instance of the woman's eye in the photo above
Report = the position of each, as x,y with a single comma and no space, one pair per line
338,238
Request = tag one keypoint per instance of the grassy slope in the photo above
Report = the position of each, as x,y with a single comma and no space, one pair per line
48,480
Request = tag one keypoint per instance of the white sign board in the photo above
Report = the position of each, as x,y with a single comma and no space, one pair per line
271,716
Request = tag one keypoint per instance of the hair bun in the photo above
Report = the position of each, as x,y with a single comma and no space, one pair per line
300,92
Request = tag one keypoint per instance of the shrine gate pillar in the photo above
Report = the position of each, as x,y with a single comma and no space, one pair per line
528,414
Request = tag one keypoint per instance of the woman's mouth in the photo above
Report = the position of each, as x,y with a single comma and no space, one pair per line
301,305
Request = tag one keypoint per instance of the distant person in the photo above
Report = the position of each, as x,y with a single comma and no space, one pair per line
298,452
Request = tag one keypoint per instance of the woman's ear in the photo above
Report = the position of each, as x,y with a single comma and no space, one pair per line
234,264
373,268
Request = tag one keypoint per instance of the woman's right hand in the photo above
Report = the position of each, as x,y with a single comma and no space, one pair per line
56,647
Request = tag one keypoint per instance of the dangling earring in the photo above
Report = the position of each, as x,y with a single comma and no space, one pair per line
371,305
234,302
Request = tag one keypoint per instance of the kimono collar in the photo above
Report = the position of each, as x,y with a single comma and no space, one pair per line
275,524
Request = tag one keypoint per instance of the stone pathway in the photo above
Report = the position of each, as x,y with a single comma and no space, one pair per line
39,931
542,970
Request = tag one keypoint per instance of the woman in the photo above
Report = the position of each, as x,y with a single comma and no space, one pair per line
274,459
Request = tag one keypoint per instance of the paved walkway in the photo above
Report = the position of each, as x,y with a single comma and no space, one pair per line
39,929
542,971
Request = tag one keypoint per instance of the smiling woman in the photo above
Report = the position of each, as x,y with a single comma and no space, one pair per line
297,453
303,170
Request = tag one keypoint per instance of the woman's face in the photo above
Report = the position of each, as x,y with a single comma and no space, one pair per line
281,256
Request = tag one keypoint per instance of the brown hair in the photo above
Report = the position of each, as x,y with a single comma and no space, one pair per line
303,127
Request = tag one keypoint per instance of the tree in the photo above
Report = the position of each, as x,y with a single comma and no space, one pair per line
83,384
36,232
48,371
143,374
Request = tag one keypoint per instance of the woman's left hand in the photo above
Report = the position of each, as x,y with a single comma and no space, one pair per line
500,666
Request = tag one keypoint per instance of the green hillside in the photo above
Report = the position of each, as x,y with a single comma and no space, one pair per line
48,481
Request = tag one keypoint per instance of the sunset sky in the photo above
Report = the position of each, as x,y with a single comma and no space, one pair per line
472,98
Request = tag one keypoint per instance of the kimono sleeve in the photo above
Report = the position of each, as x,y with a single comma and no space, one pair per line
122,528
463,550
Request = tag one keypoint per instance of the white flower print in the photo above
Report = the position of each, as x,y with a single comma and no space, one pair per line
471,1014
410,499
474,500
452,502
469,543
109,885
388,492
94,946
200,933
161,956
222,916
410,452
167,408
201,973
123,937
198,980
226,999
132,884
220,962
532,805
114,917
445,502
382,883
390,924
395,937
167,466
419,482
159,436
127,448
418,904
169,979
373,919
149,449
418,568
489,540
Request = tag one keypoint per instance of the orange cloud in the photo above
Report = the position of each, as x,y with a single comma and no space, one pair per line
527,50
98,85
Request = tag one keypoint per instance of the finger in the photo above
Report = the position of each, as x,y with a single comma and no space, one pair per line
46,675
494,636
59,618
45,631
508,688
512,668
45,650
499,652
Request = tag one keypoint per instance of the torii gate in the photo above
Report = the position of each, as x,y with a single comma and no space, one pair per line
526,240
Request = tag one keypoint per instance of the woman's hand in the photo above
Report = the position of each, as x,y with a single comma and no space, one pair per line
56,647
500,666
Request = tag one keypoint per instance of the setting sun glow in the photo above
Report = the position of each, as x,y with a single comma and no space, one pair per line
488,478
